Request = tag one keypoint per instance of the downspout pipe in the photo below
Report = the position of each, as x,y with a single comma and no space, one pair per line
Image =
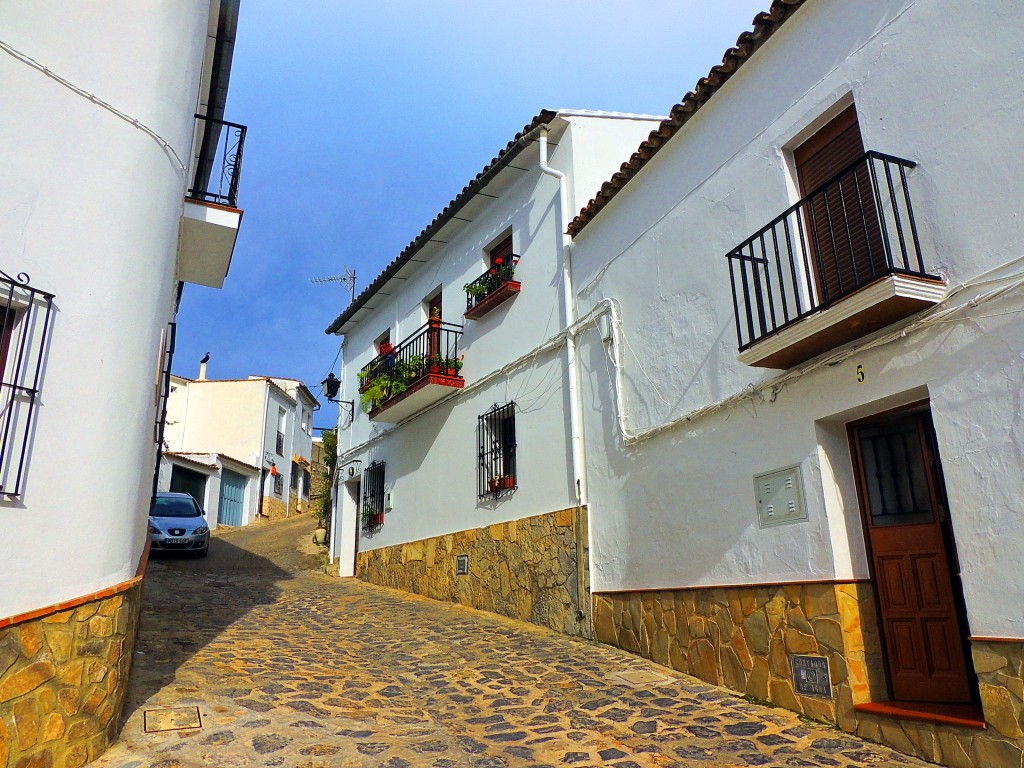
569,297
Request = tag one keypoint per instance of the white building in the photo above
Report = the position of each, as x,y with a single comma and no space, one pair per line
241,447
466,429
803,376
113,196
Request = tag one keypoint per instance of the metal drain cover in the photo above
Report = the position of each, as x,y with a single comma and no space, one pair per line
172,719
639,677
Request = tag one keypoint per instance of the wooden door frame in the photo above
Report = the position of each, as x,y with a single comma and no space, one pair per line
946,526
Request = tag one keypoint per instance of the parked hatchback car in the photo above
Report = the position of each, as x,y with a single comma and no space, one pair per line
177,523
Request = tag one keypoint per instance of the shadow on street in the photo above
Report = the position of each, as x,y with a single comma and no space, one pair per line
189,601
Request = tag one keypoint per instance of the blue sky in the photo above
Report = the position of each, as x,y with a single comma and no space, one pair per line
366,118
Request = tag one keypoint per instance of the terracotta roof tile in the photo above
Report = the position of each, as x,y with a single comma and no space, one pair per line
765,25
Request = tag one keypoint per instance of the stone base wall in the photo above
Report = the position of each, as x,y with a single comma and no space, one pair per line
297,505
526,569
743,638
274,508
63,678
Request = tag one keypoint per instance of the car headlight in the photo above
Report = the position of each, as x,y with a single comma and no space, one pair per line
154,529
201,530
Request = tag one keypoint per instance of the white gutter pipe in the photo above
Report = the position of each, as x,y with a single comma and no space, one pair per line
579,468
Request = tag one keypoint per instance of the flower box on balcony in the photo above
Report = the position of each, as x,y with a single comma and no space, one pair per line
416,373
493,287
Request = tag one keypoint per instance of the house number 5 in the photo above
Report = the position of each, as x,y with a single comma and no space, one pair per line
860,373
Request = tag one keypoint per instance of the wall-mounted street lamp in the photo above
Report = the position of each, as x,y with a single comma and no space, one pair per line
331,386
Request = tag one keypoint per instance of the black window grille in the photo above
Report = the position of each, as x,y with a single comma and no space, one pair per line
373,497
24,324
305,483
496,442
279,447
279,484
294,481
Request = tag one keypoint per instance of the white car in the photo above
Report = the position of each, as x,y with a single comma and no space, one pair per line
177,523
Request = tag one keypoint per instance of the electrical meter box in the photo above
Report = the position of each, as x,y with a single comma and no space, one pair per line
780,497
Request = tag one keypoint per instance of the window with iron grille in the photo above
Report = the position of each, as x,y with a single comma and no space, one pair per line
373,497
305,483
496,443
24,323
279,484
294,481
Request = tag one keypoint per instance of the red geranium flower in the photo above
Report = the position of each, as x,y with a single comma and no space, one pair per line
499,260
493,271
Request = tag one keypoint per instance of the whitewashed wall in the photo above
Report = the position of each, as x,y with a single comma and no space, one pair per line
90,210
934,81
432,459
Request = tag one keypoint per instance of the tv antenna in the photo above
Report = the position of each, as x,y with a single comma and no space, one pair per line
348,277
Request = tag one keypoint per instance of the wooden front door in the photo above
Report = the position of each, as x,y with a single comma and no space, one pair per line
910,540
434,310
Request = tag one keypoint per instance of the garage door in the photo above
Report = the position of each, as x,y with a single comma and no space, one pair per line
232,498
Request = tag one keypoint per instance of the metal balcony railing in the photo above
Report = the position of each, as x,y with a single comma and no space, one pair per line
490,281
855,228
433,348
219,163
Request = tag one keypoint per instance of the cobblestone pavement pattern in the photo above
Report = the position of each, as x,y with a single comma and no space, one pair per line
289,667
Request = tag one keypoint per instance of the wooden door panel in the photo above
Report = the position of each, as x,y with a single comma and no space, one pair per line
940,654
903,505
893,583
905,646
927,571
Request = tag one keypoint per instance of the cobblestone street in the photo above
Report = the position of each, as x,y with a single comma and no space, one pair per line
289,667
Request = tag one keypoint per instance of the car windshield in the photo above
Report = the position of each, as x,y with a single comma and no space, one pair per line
174,506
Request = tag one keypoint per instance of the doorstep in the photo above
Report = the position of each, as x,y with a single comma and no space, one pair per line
962,715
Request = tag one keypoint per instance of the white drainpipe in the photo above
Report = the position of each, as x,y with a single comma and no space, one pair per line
578,459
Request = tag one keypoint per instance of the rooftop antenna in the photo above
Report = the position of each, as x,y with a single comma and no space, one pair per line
347,278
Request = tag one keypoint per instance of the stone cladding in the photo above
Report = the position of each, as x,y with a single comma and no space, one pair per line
274,508
63,677
525,569
744,637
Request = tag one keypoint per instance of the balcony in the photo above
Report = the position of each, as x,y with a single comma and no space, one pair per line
405,379
211,217
843,262
492,288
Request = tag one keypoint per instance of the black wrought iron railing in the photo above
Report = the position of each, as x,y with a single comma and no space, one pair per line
279,445
372,507
25,314
219,164
855,228
496,451
433,348
490,281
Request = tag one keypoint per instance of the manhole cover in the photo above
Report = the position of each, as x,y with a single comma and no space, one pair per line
172,719
640,677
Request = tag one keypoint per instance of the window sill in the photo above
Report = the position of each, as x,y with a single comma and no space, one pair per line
960,715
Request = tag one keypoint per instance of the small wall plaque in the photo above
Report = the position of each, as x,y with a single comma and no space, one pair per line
462,565
810,676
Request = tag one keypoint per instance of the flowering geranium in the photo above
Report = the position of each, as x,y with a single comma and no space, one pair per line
499,261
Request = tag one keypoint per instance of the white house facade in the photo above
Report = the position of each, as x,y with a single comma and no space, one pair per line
802,349
112,199
457,471
241,447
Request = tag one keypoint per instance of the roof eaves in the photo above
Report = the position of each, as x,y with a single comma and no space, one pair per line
511,150
765,25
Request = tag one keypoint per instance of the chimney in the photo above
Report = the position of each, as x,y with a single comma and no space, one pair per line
202,367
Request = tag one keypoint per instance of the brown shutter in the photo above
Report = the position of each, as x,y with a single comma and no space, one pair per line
502,250
841,218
